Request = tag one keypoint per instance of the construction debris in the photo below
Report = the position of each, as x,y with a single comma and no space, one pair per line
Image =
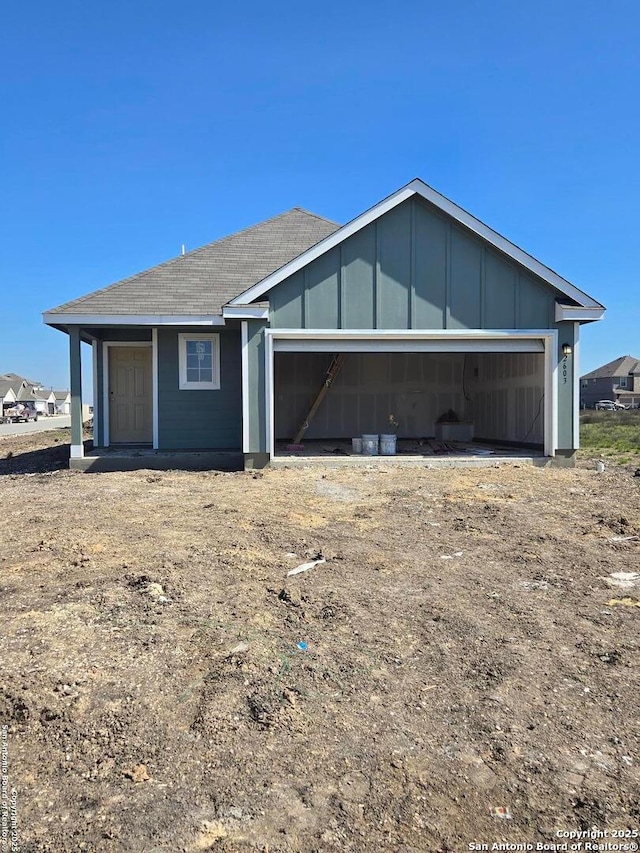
306,566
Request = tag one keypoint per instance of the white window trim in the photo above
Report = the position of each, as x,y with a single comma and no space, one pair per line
185,385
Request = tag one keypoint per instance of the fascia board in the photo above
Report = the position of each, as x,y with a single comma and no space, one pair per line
53,319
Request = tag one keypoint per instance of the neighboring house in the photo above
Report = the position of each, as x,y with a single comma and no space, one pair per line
7,395
223,349
47,402
44,401
18,382
63,402
618,380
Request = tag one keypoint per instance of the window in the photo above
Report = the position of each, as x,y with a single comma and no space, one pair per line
585,383
622,381
199,362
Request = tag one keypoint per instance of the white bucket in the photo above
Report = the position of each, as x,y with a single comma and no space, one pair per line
388,445
369,445
356,445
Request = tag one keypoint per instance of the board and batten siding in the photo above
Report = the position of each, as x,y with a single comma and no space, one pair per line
412,269
199,420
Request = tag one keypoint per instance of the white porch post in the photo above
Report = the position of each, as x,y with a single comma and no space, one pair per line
75,371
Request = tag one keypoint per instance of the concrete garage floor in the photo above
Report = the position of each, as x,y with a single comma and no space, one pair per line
410,452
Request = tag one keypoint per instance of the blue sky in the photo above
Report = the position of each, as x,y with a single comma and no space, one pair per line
131,128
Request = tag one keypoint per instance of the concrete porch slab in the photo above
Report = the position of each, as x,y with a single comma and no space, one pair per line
103,460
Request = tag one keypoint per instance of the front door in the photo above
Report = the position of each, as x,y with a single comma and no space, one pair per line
130,396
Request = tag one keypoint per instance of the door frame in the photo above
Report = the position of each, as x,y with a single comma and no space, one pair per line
402,340
153,345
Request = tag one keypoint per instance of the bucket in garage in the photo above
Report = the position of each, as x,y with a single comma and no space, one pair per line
369,445
388,445
356,445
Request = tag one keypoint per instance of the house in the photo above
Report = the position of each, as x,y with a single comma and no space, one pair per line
222,349
618,380
7,395
62,402
44,401
18,381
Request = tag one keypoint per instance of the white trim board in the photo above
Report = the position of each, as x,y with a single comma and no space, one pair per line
409,341
105,385
416,345
419,188
574,313
245,312
53,319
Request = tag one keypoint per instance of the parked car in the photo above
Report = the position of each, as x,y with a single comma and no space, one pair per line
610,406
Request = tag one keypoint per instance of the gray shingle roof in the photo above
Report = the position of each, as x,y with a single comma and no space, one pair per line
31,393
16,380
204,280
5,387
622,366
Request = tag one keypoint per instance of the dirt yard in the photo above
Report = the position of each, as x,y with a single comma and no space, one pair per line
467,649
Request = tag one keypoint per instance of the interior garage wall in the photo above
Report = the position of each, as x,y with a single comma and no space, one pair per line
507,396
414,387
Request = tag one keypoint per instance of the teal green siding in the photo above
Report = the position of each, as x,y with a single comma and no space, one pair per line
199,420
394,268
256,385
430,269
465,280
286,301
414,268
357,282
500,288
75,381
321,294
535,306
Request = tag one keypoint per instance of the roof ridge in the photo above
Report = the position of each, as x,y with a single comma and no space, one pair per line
80,299
609,365
316,216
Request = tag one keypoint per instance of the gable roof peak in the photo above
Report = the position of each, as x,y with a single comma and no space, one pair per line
417,187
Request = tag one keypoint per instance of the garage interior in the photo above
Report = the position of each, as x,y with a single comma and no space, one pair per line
501,394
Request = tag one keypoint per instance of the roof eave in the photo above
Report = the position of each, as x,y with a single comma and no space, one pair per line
579,313
62,320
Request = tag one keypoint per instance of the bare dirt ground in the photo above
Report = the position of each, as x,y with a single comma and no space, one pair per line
464,652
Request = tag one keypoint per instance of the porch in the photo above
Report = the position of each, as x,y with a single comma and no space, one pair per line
108,459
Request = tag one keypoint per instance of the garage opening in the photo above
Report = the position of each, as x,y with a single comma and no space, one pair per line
495,398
